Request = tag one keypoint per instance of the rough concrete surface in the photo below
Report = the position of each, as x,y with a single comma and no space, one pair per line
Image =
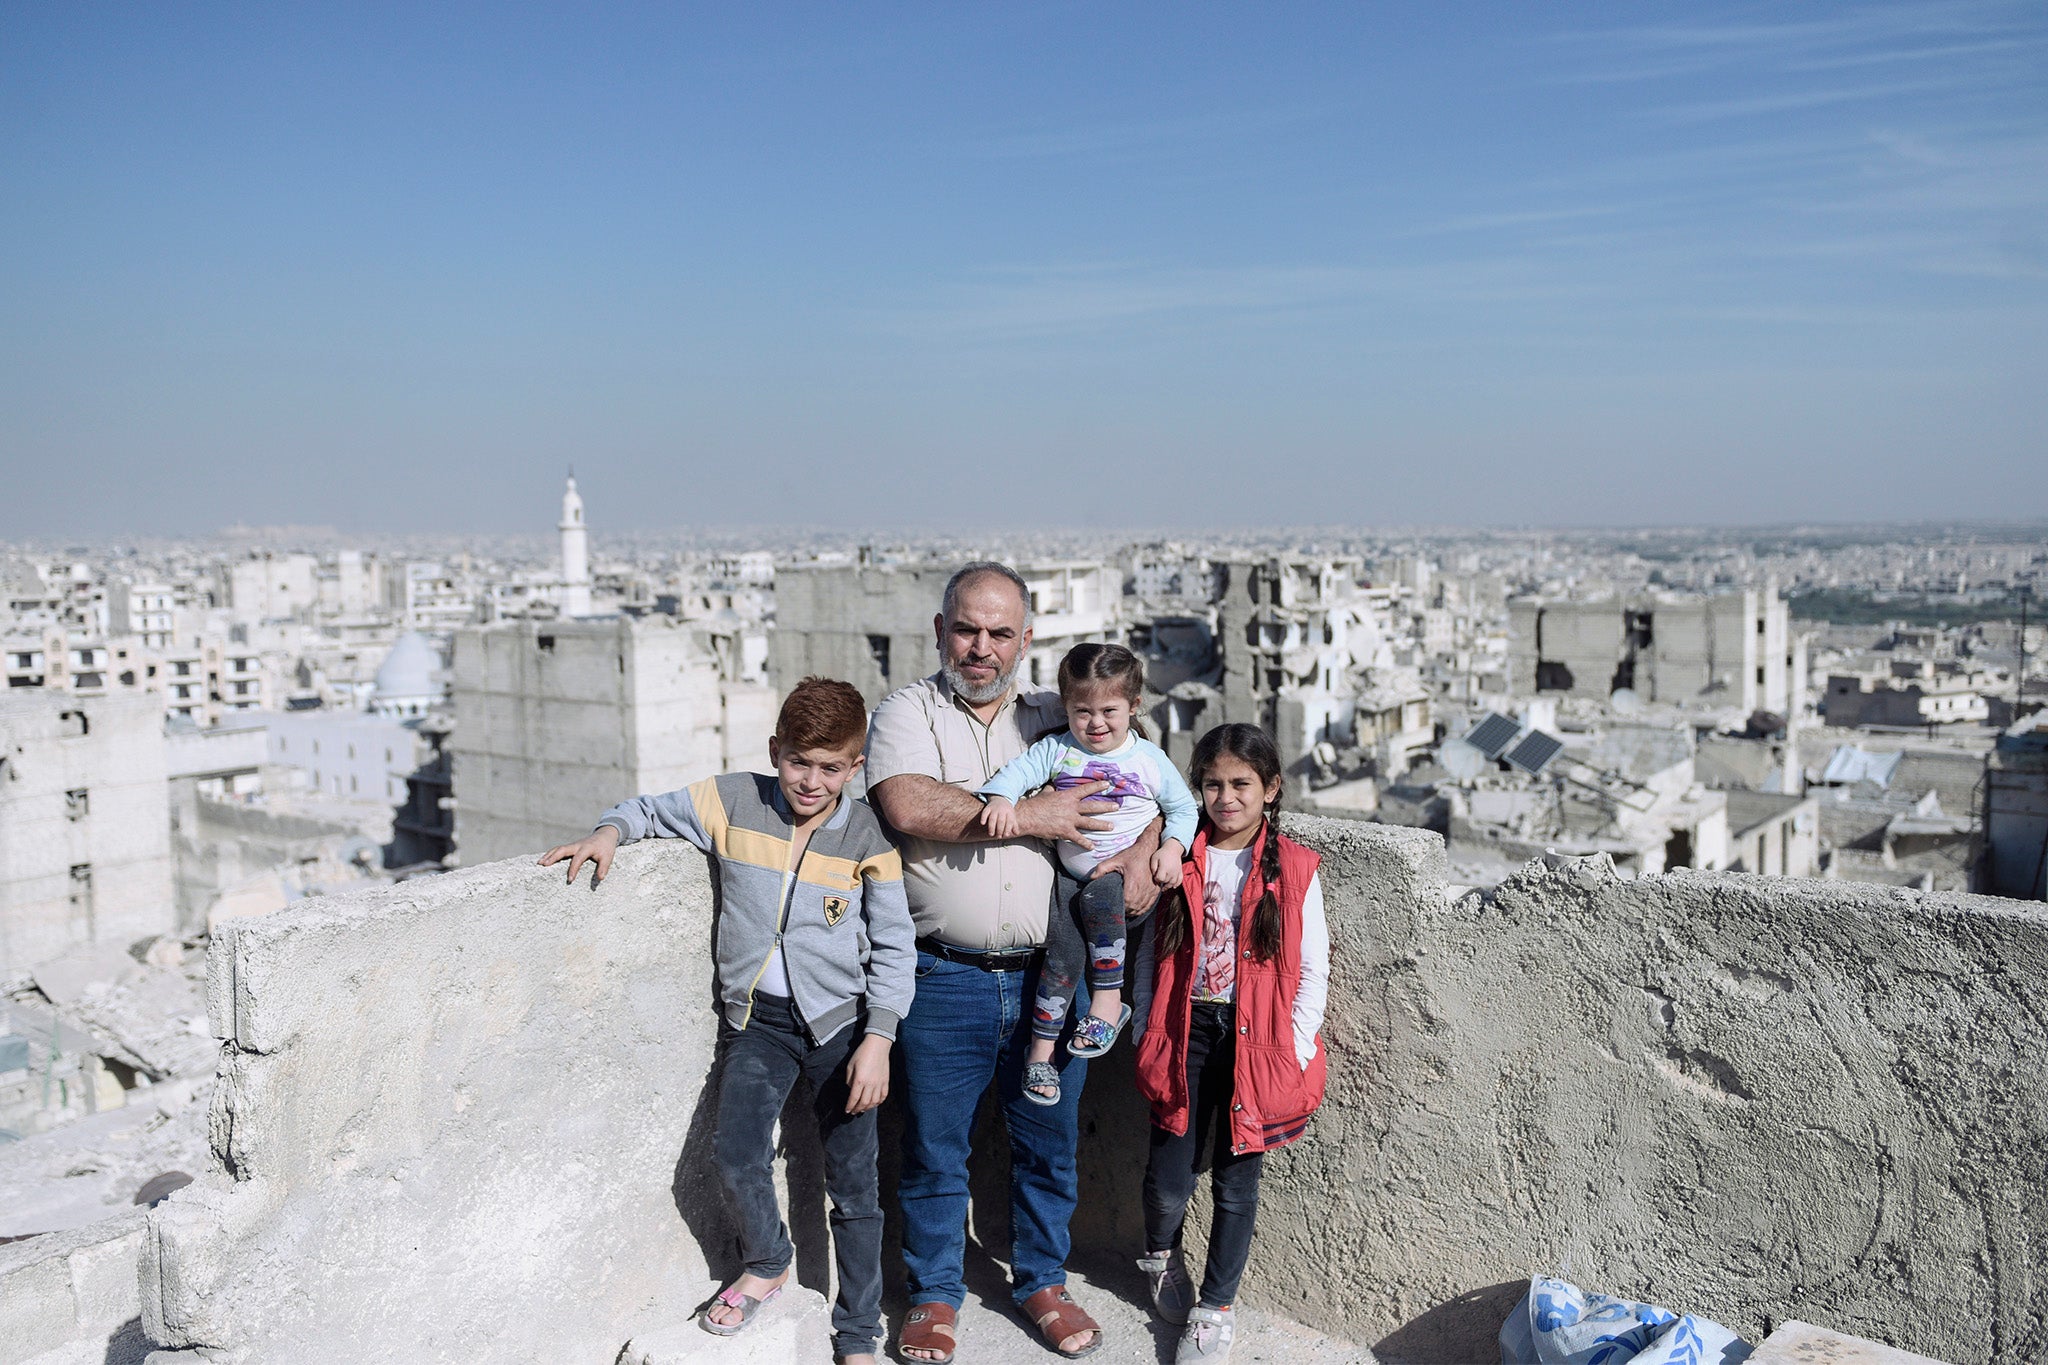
458,1120
1744,1097
69,1298
1801,1343
463,1118
994,1333
796,1326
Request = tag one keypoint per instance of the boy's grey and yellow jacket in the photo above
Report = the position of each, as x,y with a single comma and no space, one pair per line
841,918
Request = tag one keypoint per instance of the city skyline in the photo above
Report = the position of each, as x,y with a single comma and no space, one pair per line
1576,267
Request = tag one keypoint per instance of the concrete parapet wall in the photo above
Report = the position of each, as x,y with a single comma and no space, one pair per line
464,1117
457,1120
1747,1097
70,1298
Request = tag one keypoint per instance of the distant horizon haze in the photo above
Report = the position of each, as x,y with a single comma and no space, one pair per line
1490,265
825,537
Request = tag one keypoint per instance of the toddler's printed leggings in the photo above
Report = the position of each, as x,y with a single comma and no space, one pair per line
1086,929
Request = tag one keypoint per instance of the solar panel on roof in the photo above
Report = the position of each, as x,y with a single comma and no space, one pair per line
1535,751
1493,733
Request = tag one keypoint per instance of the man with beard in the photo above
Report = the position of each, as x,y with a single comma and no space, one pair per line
980,906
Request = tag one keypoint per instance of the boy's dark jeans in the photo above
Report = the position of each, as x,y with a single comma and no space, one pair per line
1176,1161
1086,930
761,1064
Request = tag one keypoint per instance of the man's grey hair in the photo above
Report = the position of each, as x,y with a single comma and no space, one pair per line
984,568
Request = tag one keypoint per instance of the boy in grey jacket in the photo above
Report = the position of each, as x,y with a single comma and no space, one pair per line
816,964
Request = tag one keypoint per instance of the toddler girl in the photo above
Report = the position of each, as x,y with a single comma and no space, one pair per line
1101,685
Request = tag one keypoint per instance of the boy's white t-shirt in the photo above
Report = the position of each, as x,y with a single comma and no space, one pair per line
775,974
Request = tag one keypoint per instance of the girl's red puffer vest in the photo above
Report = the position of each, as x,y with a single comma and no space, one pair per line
1272,1095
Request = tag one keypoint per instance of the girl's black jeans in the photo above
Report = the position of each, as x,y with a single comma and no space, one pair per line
1176,1162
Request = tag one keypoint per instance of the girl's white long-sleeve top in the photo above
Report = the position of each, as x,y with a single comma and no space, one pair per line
1311,996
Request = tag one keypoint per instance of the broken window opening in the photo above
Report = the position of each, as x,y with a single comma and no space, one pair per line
1678,849
81,897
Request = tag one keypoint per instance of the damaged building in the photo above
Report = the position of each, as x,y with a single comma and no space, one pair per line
1303,651
1629,791
555,721
870,621
85,853
1730,651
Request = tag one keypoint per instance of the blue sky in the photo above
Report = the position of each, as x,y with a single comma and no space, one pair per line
393,267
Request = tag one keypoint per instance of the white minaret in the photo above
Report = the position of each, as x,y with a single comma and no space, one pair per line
575,553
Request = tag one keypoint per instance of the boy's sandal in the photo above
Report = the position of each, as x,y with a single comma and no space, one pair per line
1038,1077
732,1298
1059,1320
928,1327
1094,1036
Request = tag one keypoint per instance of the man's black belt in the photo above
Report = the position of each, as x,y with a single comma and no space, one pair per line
1008,960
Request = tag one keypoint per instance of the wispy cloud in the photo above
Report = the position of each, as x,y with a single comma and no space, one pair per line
1808,173
1864,35
1788,101
1526,218
1051,300
1134,137
1021,303
1879,142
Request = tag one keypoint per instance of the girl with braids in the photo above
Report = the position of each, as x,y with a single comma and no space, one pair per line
1230,990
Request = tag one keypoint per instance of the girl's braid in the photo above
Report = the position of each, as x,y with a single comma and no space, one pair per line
1265,931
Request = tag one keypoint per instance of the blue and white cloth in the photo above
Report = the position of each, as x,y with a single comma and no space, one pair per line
1558,1324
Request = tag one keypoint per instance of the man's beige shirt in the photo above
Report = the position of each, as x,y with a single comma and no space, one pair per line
986,896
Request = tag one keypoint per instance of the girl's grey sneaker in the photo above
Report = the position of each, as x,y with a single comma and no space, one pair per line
1173,1293
1207,1337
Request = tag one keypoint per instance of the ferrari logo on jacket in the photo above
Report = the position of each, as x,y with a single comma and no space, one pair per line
835,909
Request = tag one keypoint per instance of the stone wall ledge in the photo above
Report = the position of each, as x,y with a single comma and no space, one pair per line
465,1117
71,1298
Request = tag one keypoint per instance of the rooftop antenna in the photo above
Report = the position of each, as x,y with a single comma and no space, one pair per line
2019,701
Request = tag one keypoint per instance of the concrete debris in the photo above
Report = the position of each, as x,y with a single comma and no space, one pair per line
1801,1343
153,1019
65,979
91,1168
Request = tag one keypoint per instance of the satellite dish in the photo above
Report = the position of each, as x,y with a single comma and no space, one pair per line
1460,759
1625,701
1326,754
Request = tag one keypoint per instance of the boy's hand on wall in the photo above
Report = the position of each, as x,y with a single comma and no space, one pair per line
867,1075
596,848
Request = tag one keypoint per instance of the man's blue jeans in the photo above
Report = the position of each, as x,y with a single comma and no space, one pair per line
966,1028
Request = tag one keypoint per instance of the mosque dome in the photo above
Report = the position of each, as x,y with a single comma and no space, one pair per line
407,682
